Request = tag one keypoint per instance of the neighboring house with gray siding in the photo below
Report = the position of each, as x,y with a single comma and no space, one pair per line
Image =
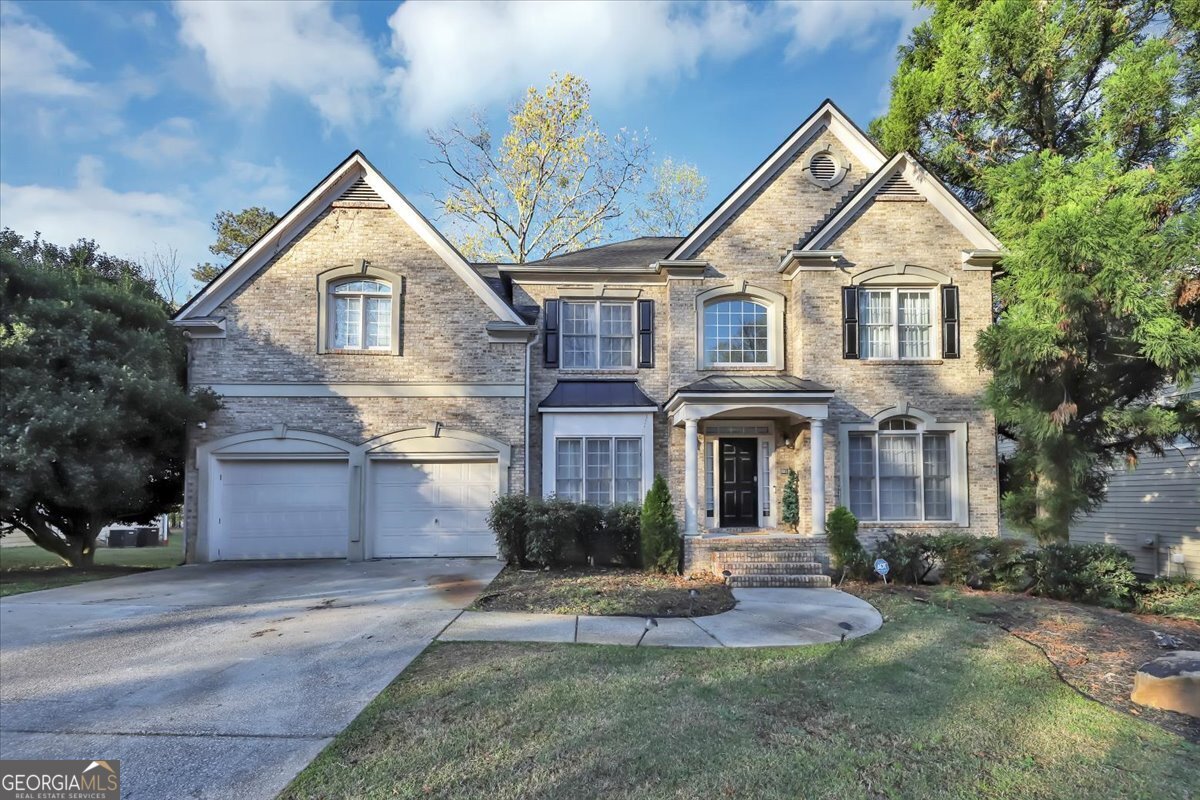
379,390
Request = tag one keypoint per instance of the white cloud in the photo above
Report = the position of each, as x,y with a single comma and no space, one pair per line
172,141
33,61
127,224
461,55
817,25
254,48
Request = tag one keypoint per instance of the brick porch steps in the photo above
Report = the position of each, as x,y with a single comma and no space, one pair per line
761,568
780,582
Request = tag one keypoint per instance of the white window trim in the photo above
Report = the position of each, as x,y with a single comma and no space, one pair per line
631,424
612,454
774,302
598,303
334,295
934,322
926,423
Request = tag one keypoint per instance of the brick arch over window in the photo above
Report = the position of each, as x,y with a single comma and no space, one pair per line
330,278
774,304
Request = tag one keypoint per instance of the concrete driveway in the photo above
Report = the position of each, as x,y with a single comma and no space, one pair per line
220,680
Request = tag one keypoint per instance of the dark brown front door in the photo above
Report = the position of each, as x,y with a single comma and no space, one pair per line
739,483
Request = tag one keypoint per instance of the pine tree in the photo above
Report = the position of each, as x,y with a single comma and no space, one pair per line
790,511
660,530
1073,128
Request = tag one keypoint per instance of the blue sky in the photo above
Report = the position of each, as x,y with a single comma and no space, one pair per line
133,123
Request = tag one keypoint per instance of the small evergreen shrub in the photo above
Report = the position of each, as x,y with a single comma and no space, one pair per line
959,556
910,556
1172,597
509,519
789,504
588,526
1088,573
623,531
551,529
660,530
1005,565
846,553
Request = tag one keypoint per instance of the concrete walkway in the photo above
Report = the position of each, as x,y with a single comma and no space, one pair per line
762,618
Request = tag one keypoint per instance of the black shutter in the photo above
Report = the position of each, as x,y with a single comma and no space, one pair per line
950,345
550,329
645,309
849,322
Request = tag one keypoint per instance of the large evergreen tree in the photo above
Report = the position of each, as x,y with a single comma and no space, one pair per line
1073,127
94,408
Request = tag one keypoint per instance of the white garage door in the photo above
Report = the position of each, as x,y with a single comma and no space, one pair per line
435,508
282,509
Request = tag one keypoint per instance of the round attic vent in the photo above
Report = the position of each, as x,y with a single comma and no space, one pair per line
825,168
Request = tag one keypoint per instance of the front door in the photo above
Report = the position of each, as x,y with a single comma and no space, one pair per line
739,483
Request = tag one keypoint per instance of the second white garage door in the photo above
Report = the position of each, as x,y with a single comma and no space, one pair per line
434,508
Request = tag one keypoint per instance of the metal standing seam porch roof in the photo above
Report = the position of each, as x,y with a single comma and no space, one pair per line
592,393
752,384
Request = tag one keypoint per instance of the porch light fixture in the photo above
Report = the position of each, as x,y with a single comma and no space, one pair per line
437,429
787,440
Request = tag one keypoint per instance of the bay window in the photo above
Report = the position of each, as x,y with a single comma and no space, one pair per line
598,469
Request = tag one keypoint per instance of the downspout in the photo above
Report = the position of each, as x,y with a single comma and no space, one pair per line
528,388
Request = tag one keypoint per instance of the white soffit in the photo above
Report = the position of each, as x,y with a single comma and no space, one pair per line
828,116
302,214
928,186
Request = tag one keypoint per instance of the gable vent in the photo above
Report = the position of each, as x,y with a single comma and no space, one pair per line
823,167
896,188
360,192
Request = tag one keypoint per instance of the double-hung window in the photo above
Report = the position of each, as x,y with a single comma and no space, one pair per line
597,335
900,473
896,323
362,315
598,469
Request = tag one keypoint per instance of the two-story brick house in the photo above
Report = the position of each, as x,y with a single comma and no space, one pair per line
379,390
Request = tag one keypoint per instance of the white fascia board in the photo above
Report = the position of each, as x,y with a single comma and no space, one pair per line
313,205
202,327
828,115
597,410
747,398
928,186
809,261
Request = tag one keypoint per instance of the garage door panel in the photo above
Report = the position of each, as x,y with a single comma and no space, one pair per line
432,508
282,509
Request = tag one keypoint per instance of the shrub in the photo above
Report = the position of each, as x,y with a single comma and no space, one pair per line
509,519
587,525
660,530
551,528
1173,597
1089,573
1005,565
845,551
623,531
909,555
959,555
789,506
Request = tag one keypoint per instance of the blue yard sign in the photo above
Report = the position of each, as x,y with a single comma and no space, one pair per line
881,566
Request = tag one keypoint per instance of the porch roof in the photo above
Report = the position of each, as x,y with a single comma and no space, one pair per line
752,384
610,394
783,395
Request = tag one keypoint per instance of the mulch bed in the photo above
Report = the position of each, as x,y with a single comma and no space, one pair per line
1095,650
602,591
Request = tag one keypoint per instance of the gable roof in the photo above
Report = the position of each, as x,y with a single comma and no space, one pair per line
827,115
915,178
350,175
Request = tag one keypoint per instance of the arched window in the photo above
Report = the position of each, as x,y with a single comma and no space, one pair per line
905,467
736,332
361,312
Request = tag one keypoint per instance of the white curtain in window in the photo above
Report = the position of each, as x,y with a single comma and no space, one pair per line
616,335
875,323
862,476
937,476
899,472
568,465
379,322
579,335
347,312
628,471
599,471
915,324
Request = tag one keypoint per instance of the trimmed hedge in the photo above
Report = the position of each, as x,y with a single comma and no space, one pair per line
543,532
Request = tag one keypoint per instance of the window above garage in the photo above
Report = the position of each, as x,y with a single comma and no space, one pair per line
359,310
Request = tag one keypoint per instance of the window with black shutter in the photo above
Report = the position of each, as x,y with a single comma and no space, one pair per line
950,323
550,333
645,309
850,322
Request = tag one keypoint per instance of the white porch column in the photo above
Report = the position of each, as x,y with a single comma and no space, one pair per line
691,452
817,475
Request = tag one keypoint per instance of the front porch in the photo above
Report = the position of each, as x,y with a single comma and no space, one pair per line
740,439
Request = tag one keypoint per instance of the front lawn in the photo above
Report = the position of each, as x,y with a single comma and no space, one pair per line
603,592
28,569
934,705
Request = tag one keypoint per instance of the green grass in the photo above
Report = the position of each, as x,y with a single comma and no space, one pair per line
932,706
28,569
